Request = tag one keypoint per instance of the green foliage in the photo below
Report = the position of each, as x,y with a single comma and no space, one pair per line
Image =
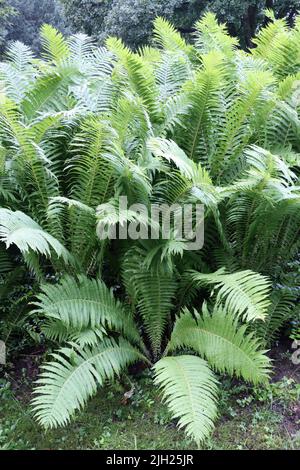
16,228
28,18
175,123
132,19
243,293
282,309
6,15
67,383
225,344
189,389
84,304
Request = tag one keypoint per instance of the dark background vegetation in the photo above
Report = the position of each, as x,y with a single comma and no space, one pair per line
132,19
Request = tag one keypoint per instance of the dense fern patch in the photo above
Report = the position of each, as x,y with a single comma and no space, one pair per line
173,123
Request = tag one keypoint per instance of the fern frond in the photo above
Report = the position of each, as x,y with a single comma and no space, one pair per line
166,36
16,228
204,118
282,309
227,346
171,75
49,93
244,293
57,331
55,47
66,383
190,390
81,303
81,48
266,38
238,127
18,73
212,36
140,76
152,292
169,150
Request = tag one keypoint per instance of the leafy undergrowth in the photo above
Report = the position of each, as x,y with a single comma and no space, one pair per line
249,418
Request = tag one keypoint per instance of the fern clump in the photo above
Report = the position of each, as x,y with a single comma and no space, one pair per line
174,123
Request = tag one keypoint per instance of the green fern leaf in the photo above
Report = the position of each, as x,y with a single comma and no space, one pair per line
190,391
66,383
81,303
16,228
244,293
227,346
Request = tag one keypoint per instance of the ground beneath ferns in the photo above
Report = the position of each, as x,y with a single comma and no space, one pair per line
249,418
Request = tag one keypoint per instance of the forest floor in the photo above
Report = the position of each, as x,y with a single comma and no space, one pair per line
250,418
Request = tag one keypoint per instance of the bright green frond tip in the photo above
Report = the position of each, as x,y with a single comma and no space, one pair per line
16,228
244,293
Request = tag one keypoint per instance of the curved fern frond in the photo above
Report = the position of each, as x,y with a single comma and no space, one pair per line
268,164
227,346
170,151
81,303
49,93
243,293
72,378
190,391
16,228
57,331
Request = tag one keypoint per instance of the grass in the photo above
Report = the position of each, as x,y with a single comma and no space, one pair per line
262,418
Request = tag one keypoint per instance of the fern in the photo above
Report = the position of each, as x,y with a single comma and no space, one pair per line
18,72
49,93
85,303
66,383
203,118
153,292
226,346
190,391
58,332
211,36
172,123
244,293
18,229
280,311
167,37
55,46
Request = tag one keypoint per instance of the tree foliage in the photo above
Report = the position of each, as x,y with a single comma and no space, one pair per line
132,19
6,15
28,18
